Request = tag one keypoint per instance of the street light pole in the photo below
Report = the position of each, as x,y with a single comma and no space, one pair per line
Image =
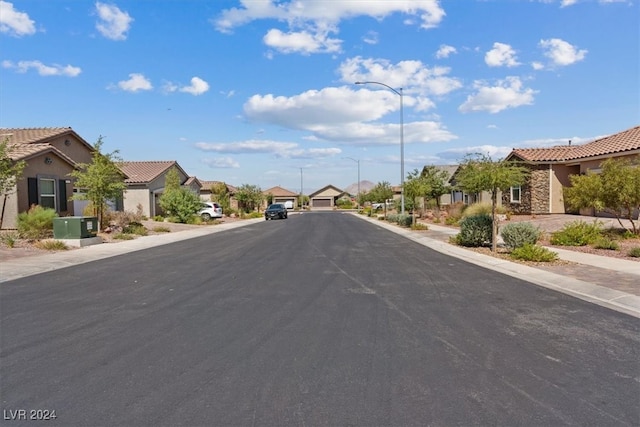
358,162
400,94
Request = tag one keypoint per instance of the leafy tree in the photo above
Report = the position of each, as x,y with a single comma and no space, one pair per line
478,172
177,201
172,180
10,172
415,187
220,194
381,192
101,180
249,197
615,190
437,182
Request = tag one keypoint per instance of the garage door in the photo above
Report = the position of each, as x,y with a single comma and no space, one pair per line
321,203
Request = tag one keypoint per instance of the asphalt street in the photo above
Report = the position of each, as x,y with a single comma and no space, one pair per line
319,320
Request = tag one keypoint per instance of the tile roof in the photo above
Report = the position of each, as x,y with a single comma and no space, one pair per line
279,192
24,143
26,151
622,142
207,185
31,135
145,171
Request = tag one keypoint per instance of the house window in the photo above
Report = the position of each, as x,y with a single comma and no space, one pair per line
47,195
515,194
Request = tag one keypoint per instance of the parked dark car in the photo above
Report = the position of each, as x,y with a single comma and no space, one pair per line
275,210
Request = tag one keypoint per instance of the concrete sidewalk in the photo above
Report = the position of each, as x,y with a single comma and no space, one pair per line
610,282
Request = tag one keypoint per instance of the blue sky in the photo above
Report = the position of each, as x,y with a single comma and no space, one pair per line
250,92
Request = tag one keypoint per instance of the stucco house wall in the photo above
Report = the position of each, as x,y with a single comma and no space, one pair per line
50,155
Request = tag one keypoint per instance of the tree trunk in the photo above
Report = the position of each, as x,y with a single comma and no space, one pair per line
494,222
4,204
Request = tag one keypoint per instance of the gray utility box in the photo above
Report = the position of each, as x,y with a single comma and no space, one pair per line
75,227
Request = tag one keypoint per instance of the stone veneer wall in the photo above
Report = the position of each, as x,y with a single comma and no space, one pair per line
534,197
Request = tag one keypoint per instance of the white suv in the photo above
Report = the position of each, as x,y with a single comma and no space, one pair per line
210,210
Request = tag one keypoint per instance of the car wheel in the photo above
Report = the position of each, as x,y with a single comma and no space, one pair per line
206,216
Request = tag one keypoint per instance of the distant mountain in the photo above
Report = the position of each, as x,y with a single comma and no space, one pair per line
364,187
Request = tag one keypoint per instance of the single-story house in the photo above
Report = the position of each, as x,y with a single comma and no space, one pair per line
552,167
326,197
50,154
206,193
458,195
145,184
280,195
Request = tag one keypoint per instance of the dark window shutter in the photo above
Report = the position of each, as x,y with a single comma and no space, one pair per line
32,183
62,184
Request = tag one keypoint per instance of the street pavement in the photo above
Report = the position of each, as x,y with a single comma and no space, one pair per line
608,282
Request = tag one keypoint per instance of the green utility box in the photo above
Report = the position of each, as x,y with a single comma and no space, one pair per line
75,227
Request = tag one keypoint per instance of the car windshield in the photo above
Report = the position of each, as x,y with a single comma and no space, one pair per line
274,207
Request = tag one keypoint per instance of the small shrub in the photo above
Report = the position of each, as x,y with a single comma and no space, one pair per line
404,220
161,229
122,219
577,233
475,230
9,239
124,236
606,243
135,228
450,220
635,252
518,234
419,226
455,211
482,208
392,217
36,223
51,245
533,253
158,218
344,203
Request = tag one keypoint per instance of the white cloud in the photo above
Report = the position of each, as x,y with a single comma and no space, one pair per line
502,55
43,70
445,51
370,38
136,83
302,42
508,93
429,11
413,76
221,163
344,116
197,87
561,52
114,23
537,65
458,154
310,22
250,146
277,148
13,22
